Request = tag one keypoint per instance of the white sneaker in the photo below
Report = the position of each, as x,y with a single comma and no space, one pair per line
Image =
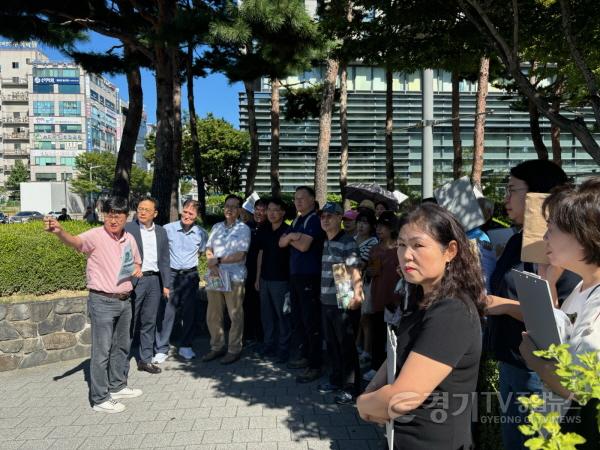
186,353
110,406
369,375
126,392
159,358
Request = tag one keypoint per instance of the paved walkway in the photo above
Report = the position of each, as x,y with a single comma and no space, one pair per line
249,405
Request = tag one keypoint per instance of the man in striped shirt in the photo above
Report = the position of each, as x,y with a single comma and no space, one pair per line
340,322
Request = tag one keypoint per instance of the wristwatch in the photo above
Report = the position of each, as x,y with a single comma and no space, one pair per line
218,260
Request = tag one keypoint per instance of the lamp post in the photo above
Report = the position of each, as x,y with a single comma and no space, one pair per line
91,193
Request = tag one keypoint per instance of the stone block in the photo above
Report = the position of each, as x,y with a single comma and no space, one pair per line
51,325
77,352
31,345
34,359
71,305
75,322
11,346
7,331
85,337
40,310
19,312
9,362
26,329
56,341
54,356
3,311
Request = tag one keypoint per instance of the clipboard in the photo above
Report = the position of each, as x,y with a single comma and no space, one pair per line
538,311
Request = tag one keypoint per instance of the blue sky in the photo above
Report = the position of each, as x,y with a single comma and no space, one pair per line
213,94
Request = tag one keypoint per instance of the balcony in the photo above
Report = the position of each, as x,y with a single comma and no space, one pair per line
14,81
15,97
7,120
16,136
16,152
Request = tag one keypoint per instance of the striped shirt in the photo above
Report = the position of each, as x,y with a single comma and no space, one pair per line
365,248
341,249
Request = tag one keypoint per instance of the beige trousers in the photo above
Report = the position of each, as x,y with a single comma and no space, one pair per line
217,302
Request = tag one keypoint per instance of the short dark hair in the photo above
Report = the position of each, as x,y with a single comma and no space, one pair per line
191,202
115,204
388,219
237,197
308,189
277,201
576,211
384,204
444,228
261,202
148,198
540,175
369,215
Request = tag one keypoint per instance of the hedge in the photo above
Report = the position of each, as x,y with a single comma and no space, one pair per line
35,262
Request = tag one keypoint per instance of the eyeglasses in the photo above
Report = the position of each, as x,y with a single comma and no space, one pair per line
148,210
510,190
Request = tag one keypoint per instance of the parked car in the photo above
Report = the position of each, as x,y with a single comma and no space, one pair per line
3,218
25,216
54,214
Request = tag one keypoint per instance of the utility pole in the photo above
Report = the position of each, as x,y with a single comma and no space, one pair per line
427,139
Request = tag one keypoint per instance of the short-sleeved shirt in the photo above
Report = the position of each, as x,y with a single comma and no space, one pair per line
504,332
105,254
185,246
487,255
449,331
225,240
275,260
342,249
308,262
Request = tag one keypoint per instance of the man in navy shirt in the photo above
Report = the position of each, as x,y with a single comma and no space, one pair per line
305,241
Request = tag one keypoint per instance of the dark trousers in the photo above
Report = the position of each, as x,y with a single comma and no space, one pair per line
306,317
379,339
252,322
339,326
146,300
110,319
184,295
276,325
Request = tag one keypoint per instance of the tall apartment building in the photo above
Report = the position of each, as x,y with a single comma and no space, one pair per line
507,136
52,111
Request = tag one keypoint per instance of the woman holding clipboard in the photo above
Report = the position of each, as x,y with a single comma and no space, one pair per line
438,338
573,243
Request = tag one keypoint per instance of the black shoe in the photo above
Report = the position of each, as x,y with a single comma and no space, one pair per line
300,363
148,367
230,358
309,376
213,354
328,388
344,398
282,358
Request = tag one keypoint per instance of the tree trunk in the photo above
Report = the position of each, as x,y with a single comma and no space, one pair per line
389,126
131,129
555,136
254,144
512,63
457,162
177,141
536,133
344,148
194,133
479,128
325,131
275,185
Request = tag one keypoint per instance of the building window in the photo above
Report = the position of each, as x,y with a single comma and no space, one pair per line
43,88
43,108
45,161
93,94
15,65
17,146
70,128
44,145
69,88
43,128
67,161
69,108
45,177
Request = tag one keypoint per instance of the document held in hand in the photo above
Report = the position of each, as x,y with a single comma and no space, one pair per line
534,228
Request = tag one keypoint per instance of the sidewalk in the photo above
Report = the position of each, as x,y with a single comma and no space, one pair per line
245,406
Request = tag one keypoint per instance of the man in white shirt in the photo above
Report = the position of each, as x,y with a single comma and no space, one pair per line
154,249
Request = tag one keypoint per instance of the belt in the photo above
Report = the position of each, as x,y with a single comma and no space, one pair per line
184,271
150,273
122,296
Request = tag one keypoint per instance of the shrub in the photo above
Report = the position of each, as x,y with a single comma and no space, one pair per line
35,262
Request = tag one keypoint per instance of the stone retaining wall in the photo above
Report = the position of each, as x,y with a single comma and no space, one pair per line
38,333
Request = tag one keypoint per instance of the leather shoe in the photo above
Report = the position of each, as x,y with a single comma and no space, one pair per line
148,367
230,358
213,354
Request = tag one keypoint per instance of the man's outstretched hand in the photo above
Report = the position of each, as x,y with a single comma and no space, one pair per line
51,225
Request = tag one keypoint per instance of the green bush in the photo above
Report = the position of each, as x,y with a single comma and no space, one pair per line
35,262
486,429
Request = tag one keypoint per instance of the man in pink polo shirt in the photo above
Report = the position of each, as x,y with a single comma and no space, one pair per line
112,259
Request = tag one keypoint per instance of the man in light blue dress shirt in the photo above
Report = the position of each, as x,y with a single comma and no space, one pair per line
187,241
